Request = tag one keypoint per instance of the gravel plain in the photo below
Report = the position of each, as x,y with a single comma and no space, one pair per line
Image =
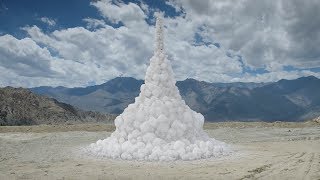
260,151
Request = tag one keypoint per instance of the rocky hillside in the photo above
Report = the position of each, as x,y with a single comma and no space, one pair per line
20,106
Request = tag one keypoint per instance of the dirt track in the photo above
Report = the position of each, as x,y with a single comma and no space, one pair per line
263,151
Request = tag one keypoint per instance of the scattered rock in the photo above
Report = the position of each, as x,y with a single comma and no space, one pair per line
317,120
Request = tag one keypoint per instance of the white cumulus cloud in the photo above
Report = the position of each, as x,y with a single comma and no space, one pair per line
48,21
204,42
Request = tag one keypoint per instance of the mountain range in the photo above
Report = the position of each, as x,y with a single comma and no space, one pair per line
284,100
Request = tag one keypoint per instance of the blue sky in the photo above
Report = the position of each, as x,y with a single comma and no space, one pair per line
16,14
79,43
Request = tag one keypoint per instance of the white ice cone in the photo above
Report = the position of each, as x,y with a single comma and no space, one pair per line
158,125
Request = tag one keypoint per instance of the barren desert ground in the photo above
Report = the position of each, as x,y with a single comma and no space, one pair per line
260,151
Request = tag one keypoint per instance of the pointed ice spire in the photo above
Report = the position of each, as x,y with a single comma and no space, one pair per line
159,126
159,34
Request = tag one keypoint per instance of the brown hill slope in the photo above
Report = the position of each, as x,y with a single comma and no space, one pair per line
19,106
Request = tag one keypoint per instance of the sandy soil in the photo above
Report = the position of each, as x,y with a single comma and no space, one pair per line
260,151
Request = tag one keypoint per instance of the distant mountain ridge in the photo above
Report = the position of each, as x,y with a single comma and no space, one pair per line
285,100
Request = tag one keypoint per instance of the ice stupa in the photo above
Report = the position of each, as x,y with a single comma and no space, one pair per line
158,126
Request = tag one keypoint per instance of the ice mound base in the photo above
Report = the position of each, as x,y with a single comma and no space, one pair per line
159,126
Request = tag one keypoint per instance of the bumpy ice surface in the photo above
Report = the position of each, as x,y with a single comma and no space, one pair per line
158,125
